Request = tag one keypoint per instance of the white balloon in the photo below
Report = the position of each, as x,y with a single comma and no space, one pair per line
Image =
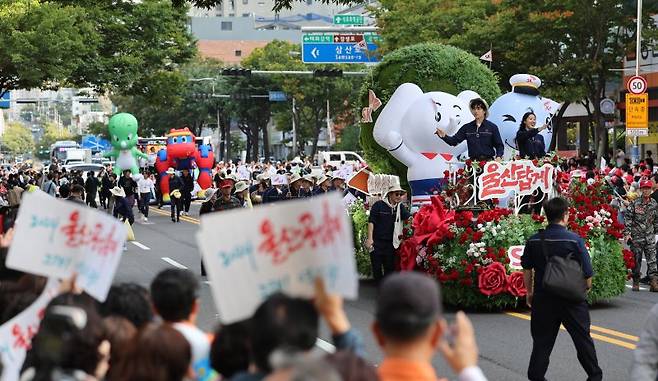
506,112
407,125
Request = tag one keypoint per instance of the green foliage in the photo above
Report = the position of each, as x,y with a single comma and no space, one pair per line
104,44
310,93
99,129
349,139
360,232
433,67
278,4
17,139
609,269
52,134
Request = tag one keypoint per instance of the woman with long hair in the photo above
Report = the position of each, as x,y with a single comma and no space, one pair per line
531,144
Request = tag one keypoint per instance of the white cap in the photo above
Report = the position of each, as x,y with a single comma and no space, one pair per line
525,80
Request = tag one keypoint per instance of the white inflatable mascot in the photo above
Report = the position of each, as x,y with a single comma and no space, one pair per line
406,128
506,112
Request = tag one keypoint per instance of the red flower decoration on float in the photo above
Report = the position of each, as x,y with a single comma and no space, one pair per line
492,280
515,285
432,223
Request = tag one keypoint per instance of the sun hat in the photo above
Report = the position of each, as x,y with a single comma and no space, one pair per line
171,171
295,177
118,191
241,186
210,192
394,188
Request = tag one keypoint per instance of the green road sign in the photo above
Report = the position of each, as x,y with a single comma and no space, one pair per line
327,38
348,20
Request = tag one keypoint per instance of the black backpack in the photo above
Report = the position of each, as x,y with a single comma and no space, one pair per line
563,276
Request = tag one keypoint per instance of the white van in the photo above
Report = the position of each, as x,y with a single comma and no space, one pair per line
336,158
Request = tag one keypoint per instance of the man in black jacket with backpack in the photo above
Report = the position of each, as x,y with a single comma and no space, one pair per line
549,310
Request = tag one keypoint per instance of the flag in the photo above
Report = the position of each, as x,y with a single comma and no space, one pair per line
488,56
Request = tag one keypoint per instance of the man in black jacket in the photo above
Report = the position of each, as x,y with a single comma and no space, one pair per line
188,187
482,136
175,194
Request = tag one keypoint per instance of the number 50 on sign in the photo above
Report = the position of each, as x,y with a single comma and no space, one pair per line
637,114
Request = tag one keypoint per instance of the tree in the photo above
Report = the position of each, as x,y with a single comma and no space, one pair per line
310,93
42,43
104,44
278,4
17,139
53,133
99,129
349,139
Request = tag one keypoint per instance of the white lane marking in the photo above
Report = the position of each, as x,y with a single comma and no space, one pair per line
641,288
143,247
173,263
325,346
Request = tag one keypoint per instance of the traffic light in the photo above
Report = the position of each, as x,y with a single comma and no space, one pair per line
240,96
236,72
327,73
201,96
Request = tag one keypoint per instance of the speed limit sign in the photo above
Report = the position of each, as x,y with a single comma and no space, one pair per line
636,85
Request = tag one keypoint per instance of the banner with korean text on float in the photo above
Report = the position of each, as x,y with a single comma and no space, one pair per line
57,238
16,334
519,176
250,254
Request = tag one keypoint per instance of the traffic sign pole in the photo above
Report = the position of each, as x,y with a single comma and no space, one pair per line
638,55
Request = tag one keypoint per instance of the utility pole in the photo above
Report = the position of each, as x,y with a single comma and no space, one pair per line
294,129
330,133
638,54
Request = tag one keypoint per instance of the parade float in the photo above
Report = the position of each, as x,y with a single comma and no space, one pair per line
182,153
461,233
122,129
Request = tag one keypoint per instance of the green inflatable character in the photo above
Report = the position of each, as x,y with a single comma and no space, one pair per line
123,137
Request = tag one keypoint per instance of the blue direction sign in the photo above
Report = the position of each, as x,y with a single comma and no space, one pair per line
339,53
278,96
5,100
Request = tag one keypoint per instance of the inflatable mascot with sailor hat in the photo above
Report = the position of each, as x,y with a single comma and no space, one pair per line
406,127
507,111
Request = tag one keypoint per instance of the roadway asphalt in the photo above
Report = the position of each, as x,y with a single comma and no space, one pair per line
503,338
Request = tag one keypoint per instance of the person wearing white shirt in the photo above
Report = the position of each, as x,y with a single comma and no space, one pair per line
145,185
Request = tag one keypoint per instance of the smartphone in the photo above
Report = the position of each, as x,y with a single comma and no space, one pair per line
450,333
7,217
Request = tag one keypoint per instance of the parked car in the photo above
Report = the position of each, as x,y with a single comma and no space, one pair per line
336,158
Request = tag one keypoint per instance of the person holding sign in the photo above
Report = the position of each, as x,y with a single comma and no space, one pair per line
384,215
482,136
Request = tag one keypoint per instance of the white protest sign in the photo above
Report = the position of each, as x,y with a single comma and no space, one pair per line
56,238
514,254
252,253
16,334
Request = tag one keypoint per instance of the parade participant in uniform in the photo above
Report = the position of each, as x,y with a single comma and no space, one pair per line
324,185
482,136
338,182
188,188
531,144
307,186
549,310
226,201
175,186
242,194
641,220
381,228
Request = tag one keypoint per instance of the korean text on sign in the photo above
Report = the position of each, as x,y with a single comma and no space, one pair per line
58,238
282,247
520,176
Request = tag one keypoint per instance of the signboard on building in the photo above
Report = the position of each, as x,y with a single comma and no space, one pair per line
340,48
637,114
349,20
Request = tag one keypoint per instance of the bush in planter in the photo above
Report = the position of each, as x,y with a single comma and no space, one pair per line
431,66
